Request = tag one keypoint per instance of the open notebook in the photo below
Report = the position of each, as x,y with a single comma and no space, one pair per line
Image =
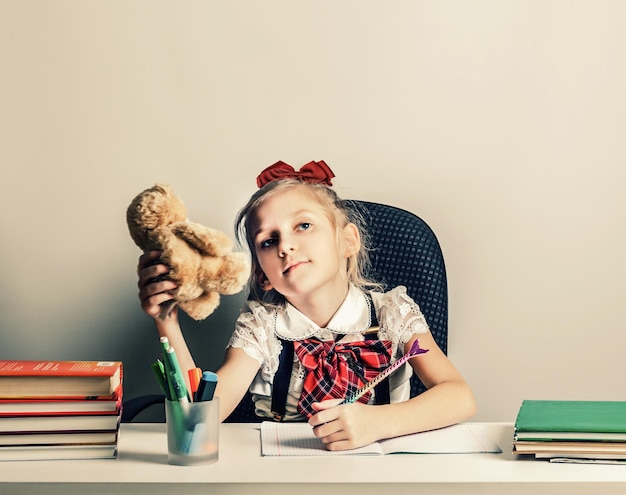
297,439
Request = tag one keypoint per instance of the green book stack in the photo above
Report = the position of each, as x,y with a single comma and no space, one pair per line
562,430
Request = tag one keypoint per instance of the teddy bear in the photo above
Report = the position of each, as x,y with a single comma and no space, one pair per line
201,259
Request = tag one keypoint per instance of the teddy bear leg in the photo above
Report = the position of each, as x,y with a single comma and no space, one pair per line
201,307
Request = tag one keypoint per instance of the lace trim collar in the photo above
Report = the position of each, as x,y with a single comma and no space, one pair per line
353,316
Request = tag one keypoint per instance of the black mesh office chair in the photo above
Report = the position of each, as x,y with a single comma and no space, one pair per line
404,251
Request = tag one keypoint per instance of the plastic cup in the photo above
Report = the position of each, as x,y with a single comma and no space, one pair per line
192,432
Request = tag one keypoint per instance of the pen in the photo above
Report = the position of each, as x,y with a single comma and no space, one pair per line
179,387
167,367
165,343
194,379
159,373
413,351
207,386
176,374
192,439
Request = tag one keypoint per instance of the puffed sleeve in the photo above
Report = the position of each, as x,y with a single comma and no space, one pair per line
399,316
254,333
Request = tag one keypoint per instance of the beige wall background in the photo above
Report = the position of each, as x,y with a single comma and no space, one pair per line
501,123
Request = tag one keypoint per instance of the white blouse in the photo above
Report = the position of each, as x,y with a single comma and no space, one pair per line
259,328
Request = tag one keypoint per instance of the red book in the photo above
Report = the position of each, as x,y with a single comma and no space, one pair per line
59,379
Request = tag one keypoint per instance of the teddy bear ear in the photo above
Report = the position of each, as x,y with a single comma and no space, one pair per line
163,188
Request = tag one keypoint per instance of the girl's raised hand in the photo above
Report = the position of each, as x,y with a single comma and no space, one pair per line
153,284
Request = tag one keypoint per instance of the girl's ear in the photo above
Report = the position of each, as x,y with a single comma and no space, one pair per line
351,240
264,282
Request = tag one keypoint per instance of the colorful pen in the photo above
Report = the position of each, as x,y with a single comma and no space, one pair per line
195,374
176,373
207,385
167,368
159,373
165,343
179,387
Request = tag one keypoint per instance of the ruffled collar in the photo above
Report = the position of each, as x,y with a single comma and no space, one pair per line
353,316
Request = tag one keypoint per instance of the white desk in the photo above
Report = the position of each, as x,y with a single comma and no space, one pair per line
142,468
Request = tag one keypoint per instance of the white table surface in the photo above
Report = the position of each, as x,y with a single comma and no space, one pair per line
142,467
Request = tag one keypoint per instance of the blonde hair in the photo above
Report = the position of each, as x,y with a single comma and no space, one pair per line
339,215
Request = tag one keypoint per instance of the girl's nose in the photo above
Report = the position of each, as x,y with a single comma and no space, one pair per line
285,246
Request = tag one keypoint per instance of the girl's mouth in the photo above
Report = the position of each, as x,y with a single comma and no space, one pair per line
292,267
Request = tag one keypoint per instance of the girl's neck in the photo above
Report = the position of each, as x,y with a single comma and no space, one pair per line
321,308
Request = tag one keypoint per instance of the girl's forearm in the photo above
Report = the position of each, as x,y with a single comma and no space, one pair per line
445,404
235,376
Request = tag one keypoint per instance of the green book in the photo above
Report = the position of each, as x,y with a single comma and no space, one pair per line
545,419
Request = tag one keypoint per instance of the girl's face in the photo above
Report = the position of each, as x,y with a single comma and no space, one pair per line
300,252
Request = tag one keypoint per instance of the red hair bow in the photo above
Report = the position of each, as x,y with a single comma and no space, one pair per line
312,172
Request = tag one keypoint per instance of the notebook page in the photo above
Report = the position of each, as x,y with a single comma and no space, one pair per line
456,439
297,439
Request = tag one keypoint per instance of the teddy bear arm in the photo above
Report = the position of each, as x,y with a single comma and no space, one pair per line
208,241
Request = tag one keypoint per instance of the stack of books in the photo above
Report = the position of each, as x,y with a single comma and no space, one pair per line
59,409
572,431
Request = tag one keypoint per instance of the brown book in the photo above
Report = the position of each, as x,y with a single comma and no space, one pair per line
107,404
57,452
8,440
65,423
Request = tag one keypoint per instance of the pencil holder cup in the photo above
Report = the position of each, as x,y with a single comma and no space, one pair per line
192,432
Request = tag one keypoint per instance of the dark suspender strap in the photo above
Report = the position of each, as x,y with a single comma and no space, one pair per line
381,391
280,387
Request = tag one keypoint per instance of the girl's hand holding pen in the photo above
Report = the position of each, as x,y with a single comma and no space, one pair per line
153,284
346,426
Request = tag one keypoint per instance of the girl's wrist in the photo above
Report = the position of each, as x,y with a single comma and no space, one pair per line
165,327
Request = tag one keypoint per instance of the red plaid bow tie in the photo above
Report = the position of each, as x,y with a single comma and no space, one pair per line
337,369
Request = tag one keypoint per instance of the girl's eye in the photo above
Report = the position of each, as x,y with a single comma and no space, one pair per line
304,226
267,243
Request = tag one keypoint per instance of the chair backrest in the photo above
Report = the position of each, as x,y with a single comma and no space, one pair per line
403,251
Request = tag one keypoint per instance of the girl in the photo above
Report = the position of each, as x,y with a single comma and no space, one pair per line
312,313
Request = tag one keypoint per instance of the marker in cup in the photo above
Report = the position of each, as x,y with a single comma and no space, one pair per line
206,388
